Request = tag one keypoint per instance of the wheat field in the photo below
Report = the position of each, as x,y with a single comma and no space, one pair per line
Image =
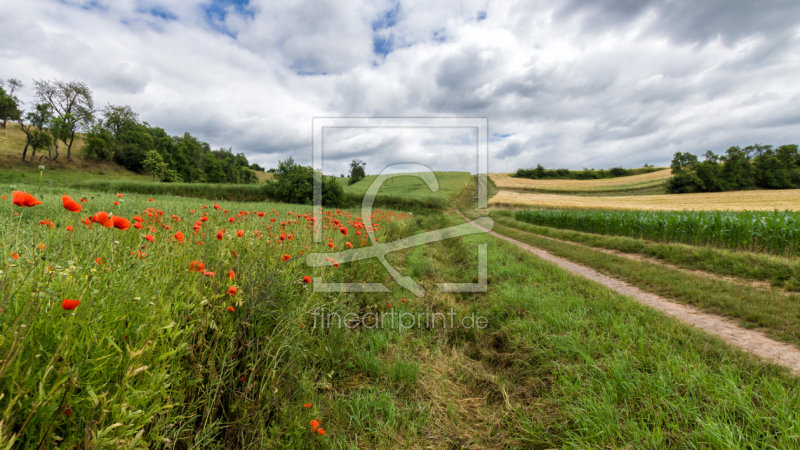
652,179
761,200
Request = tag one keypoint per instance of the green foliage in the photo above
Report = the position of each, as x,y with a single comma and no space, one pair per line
9,106
98,144
540,173
120,135
294,183
774,232
357,171
740,168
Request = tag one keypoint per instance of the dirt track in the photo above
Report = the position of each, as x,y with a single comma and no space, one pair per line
748,340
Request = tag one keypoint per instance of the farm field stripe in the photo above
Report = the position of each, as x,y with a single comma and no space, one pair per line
751,341
759,283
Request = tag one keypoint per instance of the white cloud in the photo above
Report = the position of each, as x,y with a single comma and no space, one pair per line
573,84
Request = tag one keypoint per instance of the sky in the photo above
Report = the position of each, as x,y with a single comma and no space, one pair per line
569,83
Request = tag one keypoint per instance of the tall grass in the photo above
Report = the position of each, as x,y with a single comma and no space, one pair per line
776,232
153,357
228,192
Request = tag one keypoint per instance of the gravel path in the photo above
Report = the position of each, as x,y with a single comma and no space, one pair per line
749,340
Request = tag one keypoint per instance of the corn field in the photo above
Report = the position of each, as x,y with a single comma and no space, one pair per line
776,232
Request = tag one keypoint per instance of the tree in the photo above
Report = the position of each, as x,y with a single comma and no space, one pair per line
357,171
682,162
737,171
98,143
71,101
256,167
37,136
9,104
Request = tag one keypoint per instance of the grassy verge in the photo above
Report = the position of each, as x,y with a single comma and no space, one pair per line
563,362
776,312
783,272
228,192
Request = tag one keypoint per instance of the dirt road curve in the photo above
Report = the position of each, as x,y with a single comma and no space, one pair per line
748,340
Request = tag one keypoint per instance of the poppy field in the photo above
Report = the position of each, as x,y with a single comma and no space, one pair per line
126,317
131,321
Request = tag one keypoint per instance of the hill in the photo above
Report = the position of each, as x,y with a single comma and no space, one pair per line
648,183
14,170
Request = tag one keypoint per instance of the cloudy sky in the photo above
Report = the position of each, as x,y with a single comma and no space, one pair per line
572,83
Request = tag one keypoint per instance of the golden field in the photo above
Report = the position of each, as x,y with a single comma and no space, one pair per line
647,180
761,200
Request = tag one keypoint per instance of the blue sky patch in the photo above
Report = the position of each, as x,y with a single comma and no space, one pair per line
387,19
382,45
163,13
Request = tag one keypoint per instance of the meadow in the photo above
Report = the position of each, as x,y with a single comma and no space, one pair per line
198,328
411,191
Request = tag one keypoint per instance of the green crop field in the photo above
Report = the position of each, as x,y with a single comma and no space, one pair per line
776,232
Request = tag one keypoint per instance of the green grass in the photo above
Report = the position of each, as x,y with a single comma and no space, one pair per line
228,192
777,312
779,271
152,358
411,191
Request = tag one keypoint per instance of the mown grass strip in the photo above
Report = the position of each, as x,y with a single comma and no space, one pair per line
779,271
776,312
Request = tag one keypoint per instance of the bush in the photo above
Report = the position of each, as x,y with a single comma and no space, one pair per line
294,183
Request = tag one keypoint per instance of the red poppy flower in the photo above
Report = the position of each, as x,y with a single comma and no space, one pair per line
321,431
208,274
307,279
233,290
307,405
69,228
314,425
240,233
70,204
149,237
116,203
196,266
286,257
230,308
330,244
24,199
335,264
137,225
343,230
231,219
119,195
69,305
149,199
99,261
349,245
121,223
101,217
179,236
220,235
231,274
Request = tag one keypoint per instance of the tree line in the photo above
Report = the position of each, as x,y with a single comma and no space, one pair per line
540,173
61,110
739,168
